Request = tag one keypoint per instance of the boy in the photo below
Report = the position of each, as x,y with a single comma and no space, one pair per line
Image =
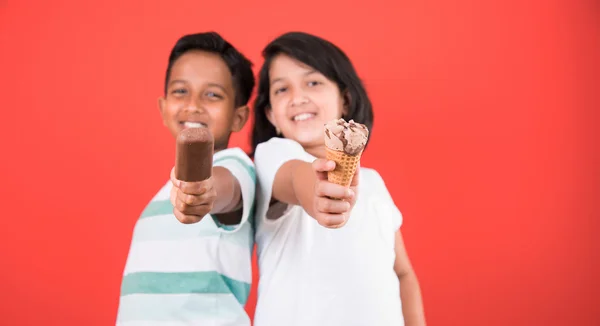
190,256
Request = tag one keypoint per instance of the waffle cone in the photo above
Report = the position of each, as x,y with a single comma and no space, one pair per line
345,167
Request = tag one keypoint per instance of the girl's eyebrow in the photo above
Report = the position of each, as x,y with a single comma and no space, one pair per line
310,72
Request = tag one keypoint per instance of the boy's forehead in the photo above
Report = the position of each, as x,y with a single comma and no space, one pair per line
198,66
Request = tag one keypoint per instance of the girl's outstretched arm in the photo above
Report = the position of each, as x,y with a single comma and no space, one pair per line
305,184
410,292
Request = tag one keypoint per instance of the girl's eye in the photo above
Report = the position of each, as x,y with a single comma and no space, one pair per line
313,83
280,90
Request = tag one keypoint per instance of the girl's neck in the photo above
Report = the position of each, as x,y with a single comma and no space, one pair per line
316,151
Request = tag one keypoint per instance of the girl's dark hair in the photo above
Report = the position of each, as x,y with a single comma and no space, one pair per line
327,59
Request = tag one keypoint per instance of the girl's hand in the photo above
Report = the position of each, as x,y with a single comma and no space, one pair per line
332,203
192,200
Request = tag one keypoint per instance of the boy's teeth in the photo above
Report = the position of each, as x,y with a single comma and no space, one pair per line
303,116
188,124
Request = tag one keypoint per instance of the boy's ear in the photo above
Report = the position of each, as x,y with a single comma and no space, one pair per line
347,101
240,117
161,107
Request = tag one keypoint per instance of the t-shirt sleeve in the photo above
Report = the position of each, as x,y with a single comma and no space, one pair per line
268,158
386,200
242,168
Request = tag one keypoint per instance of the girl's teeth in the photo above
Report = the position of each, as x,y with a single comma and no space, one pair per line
303,116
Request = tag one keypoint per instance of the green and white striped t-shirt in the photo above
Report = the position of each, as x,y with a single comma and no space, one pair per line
190,274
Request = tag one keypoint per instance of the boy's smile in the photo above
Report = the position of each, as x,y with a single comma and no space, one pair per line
193,124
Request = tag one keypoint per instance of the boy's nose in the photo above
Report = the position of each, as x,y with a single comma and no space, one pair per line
194,107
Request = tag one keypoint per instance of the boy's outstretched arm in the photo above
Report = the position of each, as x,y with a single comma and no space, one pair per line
220,195
410,292
305,184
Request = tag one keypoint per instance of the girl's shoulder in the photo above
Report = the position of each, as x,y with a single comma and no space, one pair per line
280,150
370,177
277,143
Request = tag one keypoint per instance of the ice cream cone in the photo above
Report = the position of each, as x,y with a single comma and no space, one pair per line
344,142
345,167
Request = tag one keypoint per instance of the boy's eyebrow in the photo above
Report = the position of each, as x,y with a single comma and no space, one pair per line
312,71
209,84
218,86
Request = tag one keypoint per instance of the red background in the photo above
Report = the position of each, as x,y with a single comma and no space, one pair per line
487,108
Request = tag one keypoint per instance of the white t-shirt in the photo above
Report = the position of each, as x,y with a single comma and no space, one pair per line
312,275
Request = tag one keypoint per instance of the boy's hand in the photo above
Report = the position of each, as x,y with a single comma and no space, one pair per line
192,200
332,203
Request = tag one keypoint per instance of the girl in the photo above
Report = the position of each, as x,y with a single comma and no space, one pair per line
322,261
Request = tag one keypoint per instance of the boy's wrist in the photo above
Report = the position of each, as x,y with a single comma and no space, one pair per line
227,189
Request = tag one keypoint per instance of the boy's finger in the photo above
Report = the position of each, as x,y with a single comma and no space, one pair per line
174,180
332,190
173,196
196,200
186,219
195,188
190,200
199,210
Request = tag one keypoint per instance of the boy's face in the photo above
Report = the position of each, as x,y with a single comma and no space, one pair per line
200,93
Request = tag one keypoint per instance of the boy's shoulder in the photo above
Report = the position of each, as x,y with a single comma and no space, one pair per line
160,203
237,162
232,153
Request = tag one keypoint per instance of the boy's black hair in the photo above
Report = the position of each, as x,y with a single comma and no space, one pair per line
239,66
327,59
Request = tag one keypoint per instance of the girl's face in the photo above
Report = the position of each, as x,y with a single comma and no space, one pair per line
302,101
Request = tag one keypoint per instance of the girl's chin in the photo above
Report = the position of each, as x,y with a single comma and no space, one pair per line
309,140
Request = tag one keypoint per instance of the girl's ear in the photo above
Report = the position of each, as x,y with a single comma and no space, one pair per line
271,118
347,98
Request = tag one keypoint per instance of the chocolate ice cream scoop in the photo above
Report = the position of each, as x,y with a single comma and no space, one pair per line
349,137
194,154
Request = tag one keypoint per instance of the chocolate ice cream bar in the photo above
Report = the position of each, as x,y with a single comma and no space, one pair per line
194,158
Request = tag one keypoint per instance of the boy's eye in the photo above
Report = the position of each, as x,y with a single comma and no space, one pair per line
213,95
313,83
179,91
280,90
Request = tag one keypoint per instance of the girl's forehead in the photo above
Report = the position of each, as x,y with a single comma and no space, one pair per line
284,67
285,63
